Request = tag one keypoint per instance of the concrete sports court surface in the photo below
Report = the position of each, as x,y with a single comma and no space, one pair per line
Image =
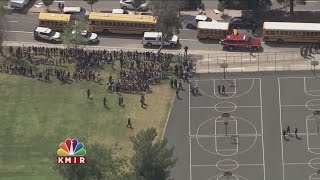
250,145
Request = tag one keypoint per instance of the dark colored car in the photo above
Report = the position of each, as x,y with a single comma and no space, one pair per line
244,23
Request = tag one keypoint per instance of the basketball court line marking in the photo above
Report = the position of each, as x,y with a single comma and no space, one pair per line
292,77
190,156
223,107
225,165
305,88
211,152
253,82
313,90
262,142
227,150
216,141
289,164
222,135
307,129
281,129
189,112
228,79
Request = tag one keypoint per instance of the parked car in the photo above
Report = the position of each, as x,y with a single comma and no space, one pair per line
89,37
154,39
244,23
76,12
46,34
127,4
18,4
193,24
233,42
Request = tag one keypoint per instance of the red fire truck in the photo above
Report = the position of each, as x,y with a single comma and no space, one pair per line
233,42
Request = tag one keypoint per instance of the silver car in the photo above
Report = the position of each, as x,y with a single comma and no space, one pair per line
127,4
46,34
89,37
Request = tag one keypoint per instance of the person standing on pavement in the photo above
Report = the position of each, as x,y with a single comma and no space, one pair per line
180,85
223,89
186,50
219,89
288,130
177,93
175,83
296,133
284,133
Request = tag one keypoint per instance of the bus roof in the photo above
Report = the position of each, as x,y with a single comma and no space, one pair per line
291,26
54,17
122,17
213,25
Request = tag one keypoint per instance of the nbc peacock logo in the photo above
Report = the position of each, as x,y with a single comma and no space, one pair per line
71,151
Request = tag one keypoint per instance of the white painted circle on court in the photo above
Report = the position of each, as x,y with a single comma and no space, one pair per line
227,165
233,177
314,163
313,150
313,104
314,176
250,125
225,107
219,176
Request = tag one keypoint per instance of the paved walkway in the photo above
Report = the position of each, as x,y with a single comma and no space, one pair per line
209,61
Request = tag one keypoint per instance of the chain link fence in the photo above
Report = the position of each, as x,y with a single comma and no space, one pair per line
246,62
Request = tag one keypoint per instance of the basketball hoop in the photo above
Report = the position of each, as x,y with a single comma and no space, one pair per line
227,174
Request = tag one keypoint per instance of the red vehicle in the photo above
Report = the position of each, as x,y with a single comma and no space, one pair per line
241,42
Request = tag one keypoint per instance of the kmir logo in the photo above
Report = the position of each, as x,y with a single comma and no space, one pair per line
71,152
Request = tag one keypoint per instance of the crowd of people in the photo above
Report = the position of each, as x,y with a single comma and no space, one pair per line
138,70
307,51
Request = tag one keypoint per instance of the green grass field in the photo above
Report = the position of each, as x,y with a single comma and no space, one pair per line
36,116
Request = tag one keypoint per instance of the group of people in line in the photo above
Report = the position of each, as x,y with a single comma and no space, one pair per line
307,51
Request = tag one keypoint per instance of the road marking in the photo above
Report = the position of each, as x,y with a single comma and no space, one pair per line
26,32
312,1
12,21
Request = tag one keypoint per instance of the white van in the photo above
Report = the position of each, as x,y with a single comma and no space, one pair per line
154,39
76,12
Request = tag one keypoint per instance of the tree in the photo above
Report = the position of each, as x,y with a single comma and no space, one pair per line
47,3
136,4
244,4
168,19
151,160
72,37
2,27
91,2
102,162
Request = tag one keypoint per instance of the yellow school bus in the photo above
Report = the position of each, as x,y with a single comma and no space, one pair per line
282,32
212,30
121,23
54,21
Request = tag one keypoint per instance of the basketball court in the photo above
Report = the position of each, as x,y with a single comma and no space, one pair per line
237,135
